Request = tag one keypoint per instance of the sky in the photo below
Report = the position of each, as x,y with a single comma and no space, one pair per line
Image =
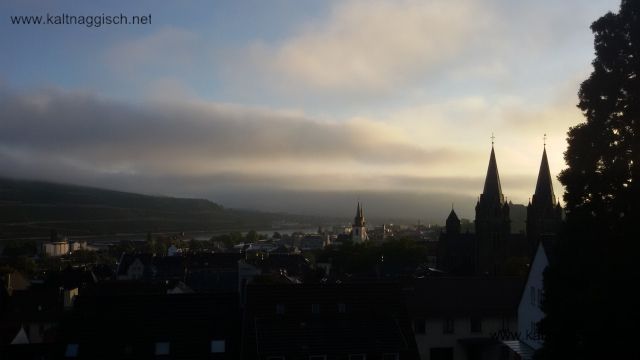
296,106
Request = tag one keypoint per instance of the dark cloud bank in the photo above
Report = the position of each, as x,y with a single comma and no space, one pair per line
211,150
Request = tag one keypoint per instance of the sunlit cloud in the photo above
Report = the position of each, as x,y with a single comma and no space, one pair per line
369,46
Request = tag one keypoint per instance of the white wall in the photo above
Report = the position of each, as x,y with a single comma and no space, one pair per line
435,338
529,312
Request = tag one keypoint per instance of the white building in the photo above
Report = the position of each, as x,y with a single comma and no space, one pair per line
56,248
529,312
463,318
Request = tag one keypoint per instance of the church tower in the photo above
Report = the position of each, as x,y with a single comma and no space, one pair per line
544,213
492,223
359,229
453,223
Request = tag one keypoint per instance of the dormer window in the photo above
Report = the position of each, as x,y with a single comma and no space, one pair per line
342,308
280,309
162,348
218,346
71,351
315,308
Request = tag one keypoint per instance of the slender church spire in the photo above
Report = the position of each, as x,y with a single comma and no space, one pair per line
358,220
544,186
492,223
544,214
492,189
359,229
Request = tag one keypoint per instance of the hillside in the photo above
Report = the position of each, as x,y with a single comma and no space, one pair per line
33,208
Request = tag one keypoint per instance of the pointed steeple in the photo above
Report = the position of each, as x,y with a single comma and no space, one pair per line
359,229
544,187
453,223
492,189
358,220
452,216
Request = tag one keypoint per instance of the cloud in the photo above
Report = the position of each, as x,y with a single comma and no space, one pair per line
103,136
369,46
169,48
219,150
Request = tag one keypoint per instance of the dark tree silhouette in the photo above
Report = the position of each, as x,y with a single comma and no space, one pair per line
591,300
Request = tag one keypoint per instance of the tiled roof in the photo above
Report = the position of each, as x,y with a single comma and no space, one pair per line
463,296
104,326
307,319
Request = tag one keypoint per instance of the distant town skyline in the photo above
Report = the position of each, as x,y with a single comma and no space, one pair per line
297,107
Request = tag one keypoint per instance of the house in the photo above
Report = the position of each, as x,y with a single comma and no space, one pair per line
135,267
213,272
529,311
38,310
463,317
56,248
327,321
313,242
167,326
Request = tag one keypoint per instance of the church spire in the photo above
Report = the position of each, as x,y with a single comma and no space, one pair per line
544,187
492,188
359,218
359,229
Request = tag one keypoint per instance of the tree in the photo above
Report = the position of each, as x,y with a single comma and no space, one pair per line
252,236
590,298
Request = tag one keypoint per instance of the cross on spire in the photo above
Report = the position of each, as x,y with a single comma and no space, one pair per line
544,140
492,139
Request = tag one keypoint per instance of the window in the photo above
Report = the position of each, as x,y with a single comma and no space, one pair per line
357,357
534,329
280,309
505,322
71,351
318,357
448,326
476,324
315,308
275,357
392,356
162,348
342,308
540,297
419,326
128,350
443,353
218,346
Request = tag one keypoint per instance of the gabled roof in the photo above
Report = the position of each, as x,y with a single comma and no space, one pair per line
21,337
351,318
127,260
104,326
464,296
213,261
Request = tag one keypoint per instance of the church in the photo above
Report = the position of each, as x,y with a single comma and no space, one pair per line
493,249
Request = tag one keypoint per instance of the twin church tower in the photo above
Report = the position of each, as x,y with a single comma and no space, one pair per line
492,249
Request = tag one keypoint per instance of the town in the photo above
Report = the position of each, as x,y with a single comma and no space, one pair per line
356,292
319,180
